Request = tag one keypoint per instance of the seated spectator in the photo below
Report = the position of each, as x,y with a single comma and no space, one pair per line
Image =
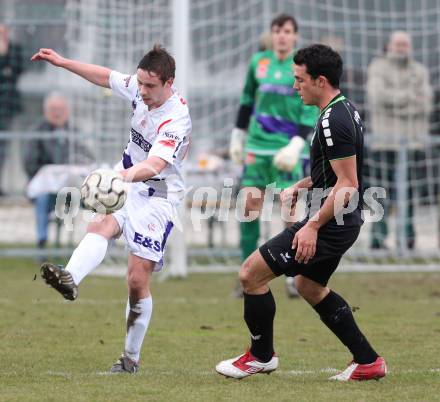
400,101
51,151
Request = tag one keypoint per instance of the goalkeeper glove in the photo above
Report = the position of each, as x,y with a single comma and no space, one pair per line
236,145
287,157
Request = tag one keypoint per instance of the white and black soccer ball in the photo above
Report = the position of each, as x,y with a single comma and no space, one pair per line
103,191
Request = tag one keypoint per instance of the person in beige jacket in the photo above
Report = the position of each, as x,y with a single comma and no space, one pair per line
400,102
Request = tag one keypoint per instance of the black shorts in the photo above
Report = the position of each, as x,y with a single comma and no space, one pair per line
333,241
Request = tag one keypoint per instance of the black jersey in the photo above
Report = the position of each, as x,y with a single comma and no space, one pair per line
338,134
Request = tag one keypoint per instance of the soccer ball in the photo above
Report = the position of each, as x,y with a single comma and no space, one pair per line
103,191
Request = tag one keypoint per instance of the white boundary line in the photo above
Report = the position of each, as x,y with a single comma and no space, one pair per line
288,373
120,270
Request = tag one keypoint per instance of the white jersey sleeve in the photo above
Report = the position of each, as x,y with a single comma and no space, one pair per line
172,140
123,85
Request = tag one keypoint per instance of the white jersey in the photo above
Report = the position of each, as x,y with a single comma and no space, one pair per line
163,132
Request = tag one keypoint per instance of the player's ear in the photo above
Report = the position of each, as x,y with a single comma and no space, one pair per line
169,81
321,81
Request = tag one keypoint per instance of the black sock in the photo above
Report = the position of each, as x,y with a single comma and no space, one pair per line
336,314
259,312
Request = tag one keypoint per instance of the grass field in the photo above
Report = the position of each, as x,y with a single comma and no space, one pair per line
54,350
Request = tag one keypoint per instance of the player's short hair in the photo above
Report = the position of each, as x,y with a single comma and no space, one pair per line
281,19
321,60
160,62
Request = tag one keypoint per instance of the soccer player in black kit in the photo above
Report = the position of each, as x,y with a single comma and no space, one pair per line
310,250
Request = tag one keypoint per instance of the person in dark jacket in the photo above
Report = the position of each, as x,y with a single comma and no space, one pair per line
11,66
55,150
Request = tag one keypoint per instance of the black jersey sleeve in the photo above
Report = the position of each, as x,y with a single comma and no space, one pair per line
339,134
243,117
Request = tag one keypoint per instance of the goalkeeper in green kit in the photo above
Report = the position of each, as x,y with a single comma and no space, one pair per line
269,137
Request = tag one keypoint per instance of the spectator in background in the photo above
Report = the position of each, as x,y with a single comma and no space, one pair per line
400,101
48,151
11,66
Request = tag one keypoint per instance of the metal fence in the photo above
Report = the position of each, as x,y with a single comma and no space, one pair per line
222,37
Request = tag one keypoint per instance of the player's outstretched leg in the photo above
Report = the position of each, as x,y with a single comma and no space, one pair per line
336,314
60,279
86,257
259,313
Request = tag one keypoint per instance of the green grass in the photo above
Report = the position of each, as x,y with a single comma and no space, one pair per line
54,350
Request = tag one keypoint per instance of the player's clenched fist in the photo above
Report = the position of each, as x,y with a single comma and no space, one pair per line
48,55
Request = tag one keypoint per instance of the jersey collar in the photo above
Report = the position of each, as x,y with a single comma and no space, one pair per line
336,99
288,58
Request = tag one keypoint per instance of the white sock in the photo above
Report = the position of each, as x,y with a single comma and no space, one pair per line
87,256
137,330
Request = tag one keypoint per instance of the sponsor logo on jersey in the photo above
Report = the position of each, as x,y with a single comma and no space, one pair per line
146,241
262,68
140,141
168,143
151,227
127,81
171,136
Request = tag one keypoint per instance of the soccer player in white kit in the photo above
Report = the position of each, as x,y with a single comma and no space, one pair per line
152,161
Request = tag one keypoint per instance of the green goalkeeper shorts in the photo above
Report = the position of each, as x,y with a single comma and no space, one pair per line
259,171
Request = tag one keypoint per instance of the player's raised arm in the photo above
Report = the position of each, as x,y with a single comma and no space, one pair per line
91,72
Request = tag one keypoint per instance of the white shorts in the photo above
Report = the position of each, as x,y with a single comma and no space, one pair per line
146,223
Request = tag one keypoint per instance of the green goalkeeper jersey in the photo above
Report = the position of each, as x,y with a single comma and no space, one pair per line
278,111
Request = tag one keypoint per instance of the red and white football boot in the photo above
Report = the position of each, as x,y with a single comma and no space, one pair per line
246,365
363,372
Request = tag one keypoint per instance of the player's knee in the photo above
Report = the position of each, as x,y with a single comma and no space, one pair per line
94,227
106,228
303,286
245,276
310,290
136,283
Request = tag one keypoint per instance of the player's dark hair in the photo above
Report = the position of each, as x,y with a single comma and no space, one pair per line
159,62
321,60
281,19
